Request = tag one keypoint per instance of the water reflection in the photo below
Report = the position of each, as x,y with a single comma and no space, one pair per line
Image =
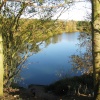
52,62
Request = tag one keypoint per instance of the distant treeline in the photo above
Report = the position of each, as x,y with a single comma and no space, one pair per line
80,26
42,29
84,26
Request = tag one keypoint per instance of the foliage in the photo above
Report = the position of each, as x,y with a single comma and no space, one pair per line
20,36
24,39
46,27
71,26
84,26
11,43
83,61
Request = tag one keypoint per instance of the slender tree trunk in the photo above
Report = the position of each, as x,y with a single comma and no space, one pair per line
1,66
96,46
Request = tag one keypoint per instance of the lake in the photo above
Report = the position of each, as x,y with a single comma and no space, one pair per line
52,62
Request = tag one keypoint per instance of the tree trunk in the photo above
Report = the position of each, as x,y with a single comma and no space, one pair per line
1,66
96,46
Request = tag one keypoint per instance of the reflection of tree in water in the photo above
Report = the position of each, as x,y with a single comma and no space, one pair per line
47,42
53,40
57,38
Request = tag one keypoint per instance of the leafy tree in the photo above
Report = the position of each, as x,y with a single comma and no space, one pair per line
11,42
8,27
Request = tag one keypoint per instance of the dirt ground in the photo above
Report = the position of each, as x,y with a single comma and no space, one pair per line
39,94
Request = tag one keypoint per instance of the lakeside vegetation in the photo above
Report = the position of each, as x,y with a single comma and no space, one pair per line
15,43
29,33
43,29
32,31
25,38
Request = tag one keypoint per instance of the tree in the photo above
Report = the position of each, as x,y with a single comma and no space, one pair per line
6,35
9,28
96,46
95,23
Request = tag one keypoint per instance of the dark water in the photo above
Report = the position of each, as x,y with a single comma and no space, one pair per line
52,62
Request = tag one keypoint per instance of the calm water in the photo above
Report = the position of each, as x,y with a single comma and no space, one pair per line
52,62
